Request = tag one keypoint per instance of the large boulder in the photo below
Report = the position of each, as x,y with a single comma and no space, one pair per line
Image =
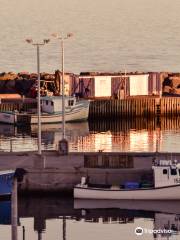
175,81
177,91
24,75
8,76
167,89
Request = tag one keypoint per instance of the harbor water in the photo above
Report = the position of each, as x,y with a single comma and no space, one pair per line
64,218
117,35
137,135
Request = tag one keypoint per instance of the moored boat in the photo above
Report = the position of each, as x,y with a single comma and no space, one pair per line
166,186
51,112
6,182
5,212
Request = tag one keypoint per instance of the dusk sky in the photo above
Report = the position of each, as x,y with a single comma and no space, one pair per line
108,35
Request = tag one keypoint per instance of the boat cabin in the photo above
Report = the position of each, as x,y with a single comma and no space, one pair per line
54,104
166,173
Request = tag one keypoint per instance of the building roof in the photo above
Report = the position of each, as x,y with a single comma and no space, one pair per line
10,96
54,98
115,74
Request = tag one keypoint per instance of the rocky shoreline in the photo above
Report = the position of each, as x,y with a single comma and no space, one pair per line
23,82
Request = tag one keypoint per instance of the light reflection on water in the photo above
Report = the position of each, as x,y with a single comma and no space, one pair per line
63,218
135,135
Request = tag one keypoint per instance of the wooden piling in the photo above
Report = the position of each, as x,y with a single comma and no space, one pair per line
14,211
135,107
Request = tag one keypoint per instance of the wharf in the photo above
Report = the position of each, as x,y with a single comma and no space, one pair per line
146,106
18,104
55,173
140,106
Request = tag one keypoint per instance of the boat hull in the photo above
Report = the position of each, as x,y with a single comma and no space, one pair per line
8,117
5,212
73,115
163,193
6,183
77,113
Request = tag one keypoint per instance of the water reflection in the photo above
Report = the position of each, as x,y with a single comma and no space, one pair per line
56,217
134,135
62,218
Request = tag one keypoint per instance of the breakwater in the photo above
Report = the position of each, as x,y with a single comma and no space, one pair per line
135,107
54,173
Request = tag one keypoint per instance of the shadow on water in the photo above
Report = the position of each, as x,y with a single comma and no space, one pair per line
123,125
162,214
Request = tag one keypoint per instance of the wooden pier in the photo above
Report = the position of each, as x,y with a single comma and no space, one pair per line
52,172
146,106
18,104
135,107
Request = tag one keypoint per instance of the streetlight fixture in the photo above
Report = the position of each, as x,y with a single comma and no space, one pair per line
38,45
62,39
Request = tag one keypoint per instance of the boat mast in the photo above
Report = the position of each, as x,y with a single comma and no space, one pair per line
63,100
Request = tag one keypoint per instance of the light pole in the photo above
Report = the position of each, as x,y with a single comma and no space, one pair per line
62,39
38,45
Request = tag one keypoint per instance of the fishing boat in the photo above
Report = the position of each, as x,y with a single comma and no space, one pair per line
51,112
6,183
5,212
166,186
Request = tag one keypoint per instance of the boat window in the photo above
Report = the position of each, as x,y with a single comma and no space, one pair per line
52,104
70,102
179,171
46,102
164,171
173,171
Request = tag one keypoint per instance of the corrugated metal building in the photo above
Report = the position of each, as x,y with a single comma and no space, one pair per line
117,84
155,83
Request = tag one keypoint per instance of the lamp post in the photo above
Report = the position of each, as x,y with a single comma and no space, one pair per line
38,45
62,39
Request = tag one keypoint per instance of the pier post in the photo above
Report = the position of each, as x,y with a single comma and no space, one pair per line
14,211
39,235
64,228
23,229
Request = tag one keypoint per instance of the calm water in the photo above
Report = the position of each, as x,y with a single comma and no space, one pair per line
59,218
108,35
136,135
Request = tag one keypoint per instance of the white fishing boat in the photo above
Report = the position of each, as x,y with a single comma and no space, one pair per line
166,186
51,108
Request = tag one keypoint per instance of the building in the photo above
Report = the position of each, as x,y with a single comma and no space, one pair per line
117,85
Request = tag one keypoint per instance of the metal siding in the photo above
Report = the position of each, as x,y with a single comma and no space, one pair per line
154,83
102,86
85,87
118,83
138,85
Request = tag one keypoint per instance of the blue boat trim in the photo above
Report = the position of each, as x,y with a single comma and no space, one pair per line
6,182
